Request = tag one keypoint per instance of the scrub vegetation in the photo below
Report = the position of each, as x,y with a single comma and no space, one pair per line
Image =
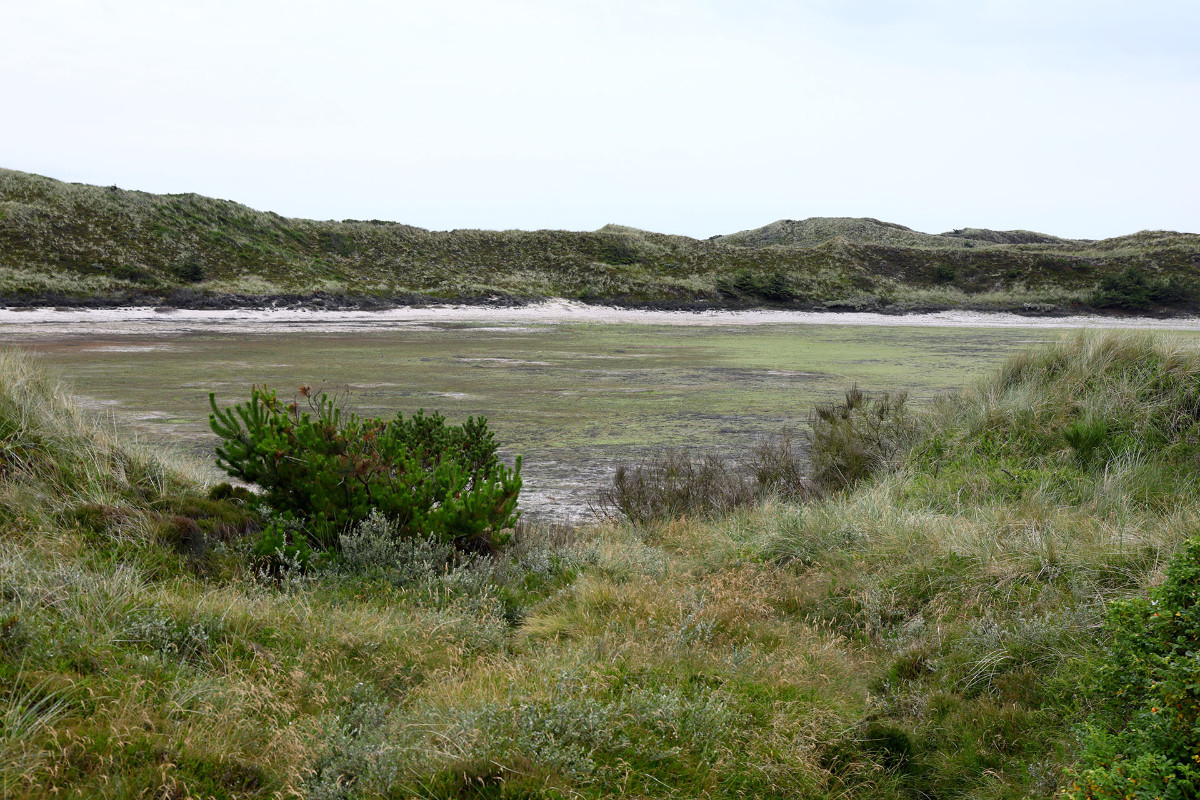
991,595
64,244
329,472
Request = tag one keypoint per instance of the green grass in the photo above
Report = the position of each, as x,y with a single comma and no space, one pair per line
931,633
66,243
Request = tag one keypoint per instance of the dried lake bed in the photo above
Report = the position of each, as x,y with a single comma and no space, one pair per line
574,389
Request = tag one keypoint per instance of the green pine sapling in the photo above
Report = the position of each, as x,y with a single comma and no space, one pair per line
332,469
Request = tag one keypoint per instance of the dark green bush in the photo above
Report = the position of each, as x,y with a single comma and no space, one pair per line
236,494
777,287
331,469
774,286
129,272
338,244
189,270
944,273
1133,289
1146,742
746,282
282,545
620,249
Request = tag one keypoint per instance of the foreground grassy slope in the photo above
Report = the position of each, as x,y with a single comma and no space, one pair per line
72,243
933,632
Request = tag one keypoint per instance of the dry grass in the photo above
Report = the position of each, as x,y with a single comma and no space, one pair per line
924,634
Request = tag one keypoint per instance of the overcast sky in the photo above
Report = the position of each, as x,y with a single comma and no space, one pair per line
1074,117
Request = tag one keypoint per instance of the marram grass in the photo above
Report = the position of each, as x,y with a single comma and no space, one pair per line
929,633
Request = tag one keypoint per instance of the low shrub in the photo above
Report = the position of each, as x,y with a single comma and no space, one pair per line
128,272
620,249
376,548
944,273
774,286
858,436
683,482
677,483
777,465
189,270
331,470
282,543
1133,289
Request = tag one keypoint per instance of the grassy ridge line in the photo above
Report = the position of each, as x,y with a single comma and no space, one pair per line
66,243
817,230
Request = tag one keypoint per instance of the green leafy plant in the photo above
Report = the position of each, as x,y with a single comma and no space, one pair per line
282,542
332,469
1152,682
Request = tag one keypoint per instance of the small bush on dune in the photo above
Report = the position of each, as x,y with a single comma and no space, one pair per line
376,548
857,437
777,466
675,484
682,482
189,270
331,470
774,286
850,441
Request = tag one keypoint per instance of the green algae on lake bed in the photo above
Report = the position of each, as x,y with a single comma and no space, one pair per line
573,399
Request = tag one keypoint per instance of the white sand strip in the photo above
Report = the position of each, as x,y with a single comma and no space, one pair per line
143,320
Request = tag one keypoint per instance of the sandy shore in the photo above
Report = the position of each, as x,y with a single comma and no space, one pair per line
117,321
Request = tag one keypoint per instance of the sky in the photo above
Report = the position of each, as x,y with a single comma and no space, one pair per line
1072,117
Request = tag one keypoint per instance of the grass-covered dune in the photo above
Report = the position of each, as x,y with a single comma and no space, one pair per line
65,243
965,622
